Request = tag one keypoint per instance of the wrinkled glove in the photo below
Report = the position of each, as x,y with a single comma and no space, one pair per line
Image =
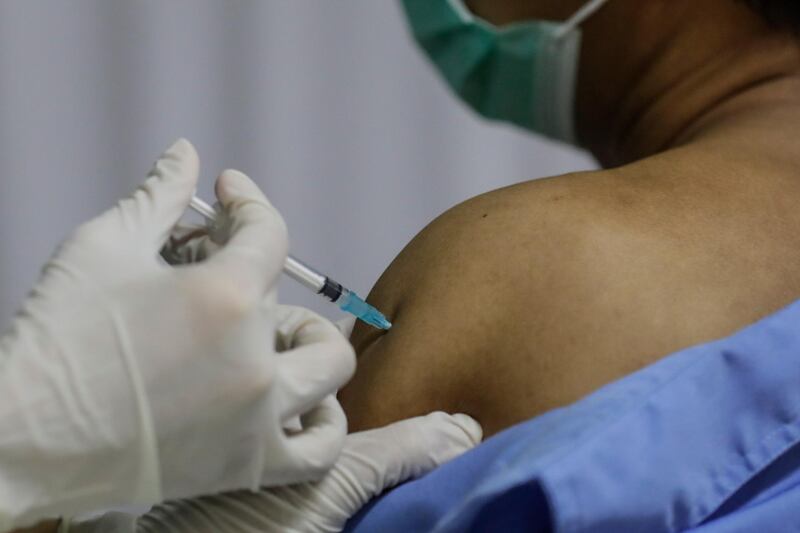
127,381
346,325
371,462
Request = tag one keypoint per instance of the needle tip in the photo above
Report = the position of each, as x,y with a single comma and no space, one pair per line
352,303
378,320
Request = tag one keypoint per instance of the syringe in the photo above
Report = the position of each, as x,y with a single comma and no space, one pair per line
321,284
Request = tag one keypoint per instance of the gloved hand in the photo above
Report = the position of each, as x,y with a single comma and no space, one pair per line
346,325
371,462
127,381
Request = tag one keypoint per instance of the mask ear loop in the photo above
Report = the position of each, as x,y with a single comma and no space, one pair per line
579,18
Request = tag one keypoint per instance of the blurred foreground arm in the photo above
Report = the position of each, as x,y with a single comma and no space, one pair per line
127,381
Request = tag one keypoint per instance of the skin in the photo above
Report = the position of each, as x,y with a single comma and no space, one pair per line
530,297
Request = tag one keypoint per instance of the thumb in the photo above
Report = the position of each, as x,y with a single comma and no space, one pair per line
257,240
158,204
373,461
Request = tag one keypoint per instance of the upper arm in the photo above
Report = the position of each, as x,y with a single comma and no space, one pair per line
530,297
488,310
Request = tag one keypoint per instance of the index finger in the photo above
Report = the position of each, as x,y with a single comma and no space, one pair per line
317,362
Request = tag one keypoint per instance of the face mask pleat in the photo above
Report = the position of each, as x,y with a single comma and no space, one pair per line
522,73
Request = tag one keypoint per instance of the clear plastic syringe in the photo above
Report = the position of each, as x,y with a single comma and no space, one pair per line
321,284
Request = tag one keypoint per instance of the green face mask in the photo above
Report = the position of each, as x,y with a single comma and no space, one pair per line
524,73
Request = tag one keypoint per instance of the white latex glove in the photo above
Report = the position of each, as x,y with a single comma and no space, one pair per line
346,325
371,462
127,381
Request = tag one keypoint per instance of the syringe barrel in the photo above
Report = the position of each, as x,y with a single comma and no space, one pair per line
294,268
304,274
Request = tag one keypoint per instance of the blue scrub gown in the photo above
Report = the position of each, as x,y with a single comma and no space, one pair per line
704,440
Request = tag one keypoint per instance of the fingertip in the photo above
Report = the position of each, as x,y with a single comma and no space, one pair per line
316,329
470,426
304,326
180,161
233,184
184,150
180,146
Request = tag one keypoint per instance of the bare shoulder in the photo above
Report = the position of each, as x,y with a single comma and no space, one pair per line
532,296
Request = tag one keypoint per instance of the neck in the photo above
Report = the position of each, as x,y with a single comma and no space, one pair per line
672,90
